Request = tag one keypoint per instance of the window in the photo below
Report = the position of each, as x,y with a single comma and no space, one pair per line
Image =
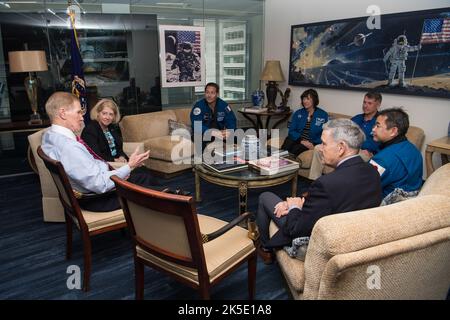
233,59
234,71
234,35
234,83
234,47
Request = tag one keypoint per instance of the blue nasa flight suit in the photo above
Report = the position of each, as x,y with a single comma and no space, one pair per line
298,122
366,126
402,164
224,116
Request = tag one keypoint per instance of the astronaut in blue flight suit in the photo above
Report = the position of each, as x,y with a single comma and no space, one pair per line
306,124
399,163
214,113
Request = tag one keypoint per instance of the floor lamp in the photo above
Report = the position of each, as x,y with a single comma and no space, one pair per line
29,61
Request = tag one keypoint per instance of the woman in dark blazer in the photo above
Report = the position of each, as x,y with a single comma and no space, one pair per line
102,134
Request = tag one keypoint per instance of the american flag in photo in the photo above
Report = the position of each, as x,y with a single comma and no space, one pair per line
193,37
436,31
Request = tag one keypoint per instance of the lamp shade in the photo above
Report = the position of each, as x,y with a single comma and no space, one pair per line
27,61
272,71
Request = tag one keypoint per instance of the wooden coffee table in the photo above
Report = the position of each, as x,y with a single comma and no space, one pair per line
243,180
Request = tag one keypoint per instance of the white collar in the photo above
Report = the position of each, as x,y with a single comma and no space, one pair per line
64,131
348,158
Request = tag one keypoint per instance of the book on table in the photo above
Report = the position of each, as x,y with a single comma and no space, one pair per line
255,110
273,165
273,151
229,152
227,166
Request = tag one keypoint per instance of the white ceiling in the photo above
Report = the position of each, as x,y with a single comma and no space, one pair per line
213,7
52,13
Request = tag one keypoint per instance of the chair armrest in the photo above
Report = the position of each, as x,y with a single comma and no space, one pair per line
213,235
129,147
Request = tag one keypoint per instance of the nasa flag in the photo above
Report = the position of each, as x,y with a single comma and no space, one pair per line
78,83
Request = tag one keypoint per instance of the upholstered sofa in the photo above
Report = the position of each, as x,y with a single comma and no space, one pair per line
400,251
51,206
152,129
415,135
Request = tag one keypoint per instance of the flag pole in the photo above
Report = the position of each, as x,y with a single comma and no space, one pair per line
418,51
78,82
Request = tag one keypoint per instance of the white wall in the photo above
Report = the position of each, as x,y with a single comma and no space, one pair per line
431,114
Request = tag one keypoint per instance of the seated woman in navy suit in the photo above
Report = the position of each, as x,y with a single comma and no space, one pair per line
306,125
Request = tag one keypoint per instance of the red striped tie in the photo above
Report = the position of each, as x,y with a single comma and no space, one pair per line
96,156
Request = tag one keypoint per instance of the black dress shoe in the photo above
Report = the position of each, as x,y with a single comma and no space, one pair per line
265,254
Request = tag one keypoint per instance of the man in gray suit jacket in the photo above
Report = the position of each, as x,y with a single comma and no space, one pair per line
354,185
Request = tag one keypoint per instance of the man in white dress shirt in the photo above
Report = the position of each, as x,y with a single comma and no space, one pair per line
85,172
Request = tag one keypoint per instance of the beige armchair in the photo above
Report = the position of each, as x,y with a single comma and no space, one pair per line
400,251
52,209
152,130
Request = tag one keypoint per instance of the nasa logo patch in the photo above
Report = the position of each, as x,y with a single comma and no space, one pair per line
196,111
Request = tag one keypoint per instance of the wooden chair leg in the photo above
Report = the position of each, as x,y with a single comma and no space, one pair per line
252,276
204,291
87,262
139,279
69,232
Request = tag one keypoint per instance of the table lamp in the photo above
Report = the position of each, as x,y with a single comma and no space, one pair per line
272,73
29,61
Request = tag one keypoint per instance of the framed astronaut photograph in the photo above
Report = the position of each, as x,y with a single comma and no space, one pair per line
182,56
403,53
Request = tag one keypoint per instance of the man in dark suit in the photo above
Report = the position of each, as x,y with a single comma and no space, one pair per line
354,185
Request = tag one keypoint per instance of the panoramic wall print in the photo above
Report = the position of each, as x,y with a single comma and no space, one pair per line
409,54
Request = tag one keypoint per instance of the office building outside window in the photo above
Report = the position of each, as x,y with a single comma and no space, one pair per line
233,55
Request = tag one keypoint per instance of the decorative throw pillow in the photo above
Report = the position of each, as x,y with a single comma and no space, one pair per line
298,248
174,125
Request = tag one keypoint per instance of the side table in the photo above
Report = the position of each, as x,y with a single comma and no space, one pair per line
258,124
441,145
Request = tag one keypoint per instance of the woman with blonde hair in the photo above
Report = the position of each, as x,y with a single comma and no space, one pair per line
102,134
